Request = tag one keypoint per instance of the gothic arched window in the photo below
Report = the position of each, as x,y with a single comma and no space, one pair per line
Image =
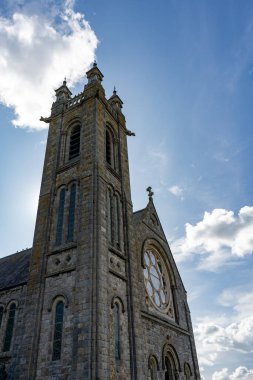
1,314
72,206
60,218
58,328
116,315
74,143
9,327
117,221
110,215
153,368
187,371
109,148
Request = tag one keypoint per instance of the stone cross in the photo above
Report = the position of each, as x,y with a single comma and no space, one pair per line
150,193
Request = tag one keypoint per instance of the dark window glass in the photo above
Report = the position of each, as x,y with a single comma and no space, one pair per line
74,145
109,214
58,326
108,148
9,328
1,314
153,370
72,205
117,330
168,373
60,219
117,221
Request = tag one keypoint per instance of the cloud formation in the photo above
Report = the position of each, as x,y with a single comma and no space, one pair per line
231,335
241,373
236,336
36,52
176,190
220,237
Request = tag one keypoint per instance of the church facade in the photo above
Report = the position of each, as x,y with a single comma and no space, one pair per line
99,295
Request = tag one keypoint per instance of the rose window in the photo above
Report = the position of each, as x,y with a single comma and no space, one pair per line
157,281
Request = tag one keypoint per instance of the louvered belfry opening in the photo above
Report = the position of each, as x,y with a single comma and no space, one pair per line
74,146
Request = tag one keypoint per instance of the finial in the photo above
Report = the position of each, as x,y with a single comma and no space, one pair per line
150,192
95,63
114,91
65,81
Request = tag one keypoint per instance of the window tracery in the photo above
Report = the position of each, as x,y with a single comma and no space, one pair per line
157,281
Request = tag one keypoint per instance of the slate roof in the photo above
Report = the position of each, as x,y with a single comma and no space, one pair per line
137,215
14,269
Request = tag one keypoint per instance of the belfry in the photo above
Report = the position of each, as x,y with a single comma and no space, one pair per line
98,296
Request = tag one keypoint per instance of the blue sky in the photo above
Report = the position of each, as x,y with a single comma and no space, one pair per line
184,70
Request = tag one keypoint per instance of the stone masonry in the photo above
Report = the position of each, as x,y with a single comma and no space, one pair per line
125,307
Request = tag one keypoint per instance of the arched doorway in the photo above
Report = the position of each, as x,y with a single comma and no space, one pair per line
169,373
171,365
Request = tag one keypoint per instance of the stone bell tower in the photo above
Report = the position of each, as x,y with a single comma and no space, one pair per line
82,224
104,299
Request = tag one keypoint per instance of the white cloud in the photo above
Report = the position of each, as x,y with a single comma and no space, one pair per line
176,190
220,237
241,373
217,335
240,300
36,53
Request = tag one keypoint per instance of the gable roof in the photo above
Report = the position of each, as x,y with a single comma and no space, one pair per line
14,269
149,216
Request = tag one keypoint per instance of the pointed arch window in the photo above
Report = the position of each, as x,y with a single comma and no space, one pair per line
58,328
74,143
60,219
116,314
1,315
109,148
9,328
153,368
109,215
117,222
72,206
187,371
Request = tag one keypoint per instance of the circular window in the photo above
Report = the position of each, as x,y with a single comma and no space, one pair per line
156,280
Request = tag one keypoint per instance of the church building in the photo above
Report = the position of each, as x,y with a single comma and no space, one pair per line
98,296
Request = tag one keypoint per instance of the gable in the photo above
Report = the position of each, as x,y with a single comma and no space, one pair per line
150,218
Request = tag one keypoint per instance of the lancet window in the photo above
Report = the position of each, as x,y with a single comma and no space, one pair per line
153,368
72,205
9,327
60,218
114,218
117,337
74,142
111,149
110,215
187,371
58,329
